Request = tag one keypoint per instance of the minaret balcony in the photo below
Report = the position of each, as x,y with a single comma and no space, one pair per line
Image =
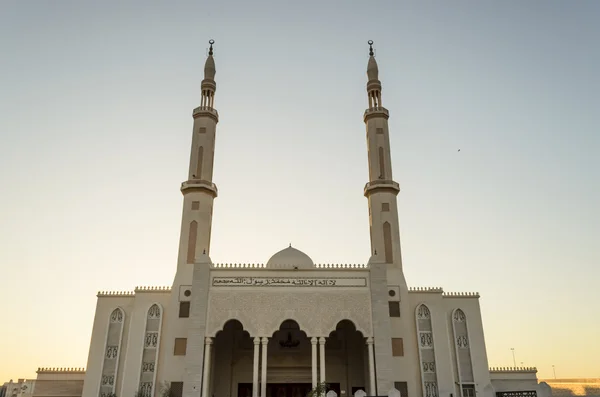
376,112
381,185
206,111
196,185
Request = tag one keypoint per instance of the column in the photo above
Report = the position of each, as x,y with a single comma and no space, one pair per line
322,358
263,375
314,342
255,368
372,391
207,359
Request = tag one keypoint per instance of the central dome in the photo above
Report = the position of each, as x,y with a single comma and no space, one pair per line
290,258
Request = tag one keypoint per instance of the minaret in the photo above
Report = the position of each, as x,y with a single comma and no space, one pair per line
199,191
381,190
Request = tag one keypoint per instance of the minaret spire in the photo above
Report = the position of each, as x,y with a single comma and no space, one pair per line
381,190
199,191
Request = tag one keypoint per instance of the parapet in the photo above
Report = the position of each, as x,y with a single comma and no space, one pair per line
513,369
45,370
261,266
152,289
461,295
126,294
437,290
114,294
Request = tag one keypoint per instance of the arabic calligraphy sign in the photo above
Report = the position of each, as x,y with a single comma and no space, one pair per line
289,282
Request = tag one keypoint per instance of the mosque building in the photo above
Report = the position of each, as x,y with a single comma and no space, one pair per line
279,329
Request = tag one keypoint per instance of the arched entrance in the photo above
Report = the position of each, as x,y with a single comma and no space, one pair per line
289,370
232,361
346,359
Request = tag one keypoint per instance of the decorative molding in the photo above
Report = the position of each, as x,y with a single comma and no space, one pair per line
317,266
152,289
127,294
426,345
151,342
289,282
461,295
426,289
112,351
261,312
431,389
423,313
462,347
513,369
52,370
114,294
522,393
462,342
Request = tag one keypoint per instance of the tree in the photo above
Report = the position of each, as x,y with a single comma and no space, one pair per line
319,390
166,390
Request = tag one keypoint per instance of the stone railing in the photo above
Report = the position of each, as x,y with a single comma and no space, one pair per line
48,370
461,295
513,369
205,109
377,109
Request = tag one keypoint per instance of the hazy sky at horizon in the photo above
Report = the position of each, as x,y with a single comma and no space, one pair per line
96,102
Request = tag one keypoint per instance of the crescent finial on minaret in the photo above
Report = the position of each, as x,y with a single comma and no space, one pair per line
210,50
371,47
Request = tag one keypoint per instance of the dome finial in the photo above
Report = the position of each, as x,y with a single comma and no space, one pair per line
370,47
210,50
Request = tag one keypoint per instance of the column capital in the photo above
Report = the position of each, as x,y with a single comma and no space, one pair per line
208,340
321,340
314,340
264,340
257,340
370,340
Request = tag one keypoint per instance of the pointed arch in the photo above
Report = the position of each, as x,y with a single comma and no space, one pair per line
112,352
191,245
462,350
425,339
150,349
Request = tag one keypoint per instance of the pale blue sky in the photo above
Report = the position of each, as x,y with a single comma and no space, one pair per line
96,123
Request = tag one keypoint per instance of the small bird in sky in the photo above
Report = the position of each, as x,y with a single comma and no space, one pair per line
459,150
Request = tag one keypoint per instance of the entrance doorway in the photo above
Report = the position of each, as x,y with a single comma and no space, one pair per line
288,389
284,389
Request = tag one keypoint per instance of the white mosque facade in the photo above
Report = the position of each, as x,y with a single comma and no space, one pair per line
278,330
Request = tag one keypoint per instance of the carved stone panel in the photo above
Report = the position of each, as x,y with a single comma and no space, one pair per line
317,313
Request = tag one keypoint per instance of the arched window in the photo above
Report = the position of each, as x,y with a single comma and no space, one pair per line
110,366
462,350
150,353
426,351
